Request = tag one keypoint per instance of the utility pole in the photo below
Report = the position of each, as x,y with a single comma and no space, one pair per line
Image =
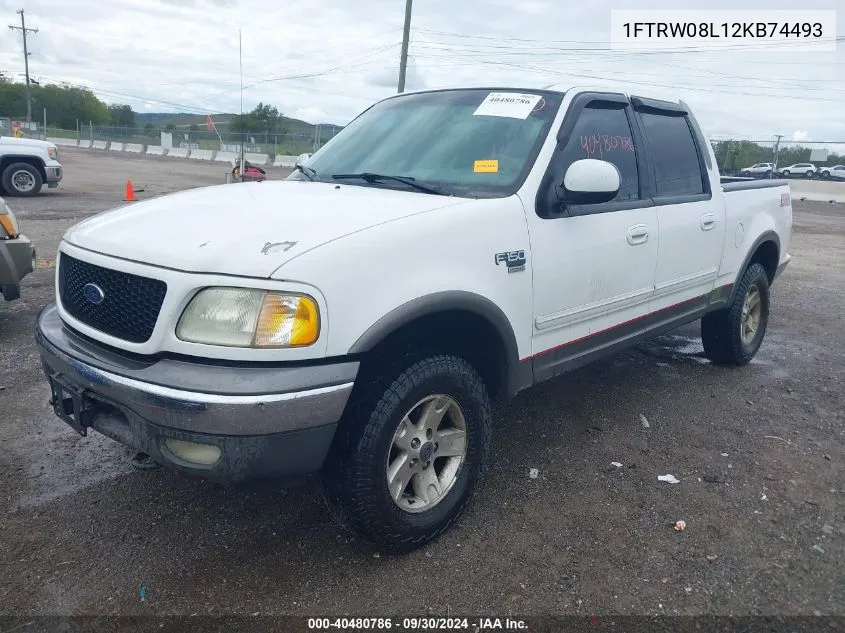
775,163
406,35
22,28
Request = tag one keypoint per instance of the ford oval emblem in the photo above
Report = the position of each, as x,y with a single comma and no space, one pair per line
93,293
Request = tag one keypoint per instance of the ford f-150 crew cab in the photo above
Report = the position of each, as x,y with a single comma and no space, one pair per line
27,164
446,248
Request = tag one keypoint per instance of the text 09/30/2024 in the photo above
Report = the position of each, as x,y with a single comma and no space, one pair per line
475,624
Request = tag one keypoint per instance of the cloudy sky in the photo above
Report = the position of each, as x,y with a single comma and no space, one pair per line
325,60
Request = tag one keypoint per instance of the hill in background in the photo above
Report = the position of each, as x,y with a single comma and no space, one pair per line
184,120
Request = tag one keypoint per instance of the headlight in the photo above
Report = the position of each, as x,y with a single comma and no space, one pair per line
53,153
8,221
247,317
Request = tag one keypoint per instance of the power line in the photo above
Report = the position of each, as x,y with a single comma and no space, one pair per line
776,45
130,97
22,28
626,77
349,65
777,82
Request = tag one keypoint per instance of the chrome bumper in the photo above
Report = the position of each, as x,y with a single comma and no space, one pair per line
188,396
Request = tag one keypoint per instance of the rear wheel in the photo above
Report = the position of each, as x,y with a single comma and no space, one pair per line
732,335
22,179
403,467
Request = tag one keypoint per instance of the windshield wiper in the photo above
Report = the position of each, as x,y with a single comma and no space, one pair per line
407,180
309,173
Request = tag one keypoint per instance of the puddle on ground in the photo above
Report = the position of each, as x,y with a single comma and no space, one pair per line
675,347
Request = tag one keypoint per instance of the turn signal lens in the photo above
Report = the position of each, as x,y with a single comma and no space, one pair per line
287,321
8,221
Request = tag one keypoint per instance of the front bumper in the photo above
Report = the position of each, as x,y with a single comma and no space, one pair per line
17,260
266,421
54,175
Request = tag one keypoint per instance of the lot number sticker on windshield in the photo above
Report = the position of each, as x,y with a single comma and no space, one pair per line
486,167
508,104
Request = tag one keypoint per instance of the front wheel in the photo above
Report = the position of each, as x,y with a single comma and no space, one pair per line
809,174
825,174
732,335
22,179
403,468
785,172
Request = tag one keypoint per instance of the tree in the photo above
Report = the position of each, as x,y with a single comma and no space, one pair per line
122,115
65,104
170,127
148,127
263,118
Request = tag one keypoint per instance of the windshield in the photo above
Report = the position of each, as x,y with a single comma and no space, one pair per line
471,143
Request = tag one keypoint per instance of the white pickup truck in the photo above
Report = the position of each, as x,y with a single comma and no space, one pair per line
446,248
27,164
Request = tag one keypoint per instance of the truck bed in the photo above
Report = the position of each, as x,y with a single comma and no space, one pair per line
737,183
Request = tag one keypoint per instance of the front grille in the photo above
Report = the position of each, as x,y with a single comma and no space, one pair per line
130,303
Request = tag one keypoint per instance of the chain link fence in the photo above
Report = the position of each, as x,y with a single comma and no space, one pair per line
286,144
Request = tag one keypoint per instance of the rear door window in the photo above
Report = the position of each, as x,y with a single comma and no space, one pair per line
677,165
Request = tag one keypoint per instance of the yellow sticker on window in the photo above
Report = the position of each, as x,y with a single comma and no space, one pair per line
486,167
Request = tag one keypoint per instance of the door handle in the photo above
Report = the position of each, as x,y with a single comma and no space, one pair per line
708,221
637,234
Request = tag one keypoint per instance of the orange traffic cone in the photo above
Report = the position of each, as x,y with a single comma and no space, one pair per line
129,196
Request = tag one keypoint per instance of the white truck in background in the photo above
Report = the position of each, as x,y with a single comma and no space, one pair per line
448,247
26,165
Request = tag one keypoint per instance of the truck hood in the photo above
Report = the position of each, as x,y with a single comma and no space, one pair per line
246,229
29,142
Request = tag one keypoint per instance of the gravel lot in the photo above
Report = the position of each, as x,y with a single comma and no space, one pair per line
759,452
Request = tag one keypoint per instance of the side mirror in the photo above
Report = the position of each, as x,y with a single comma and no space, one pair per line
302,159
591,181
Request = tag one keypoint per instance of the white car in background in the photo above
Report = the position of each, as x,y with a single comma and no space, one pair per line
757,169
800,169
836,172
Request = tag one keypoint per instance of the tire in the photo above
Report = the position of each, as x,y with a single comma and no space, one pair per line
365,450
745,173
722,333
825,174
809,174
785,173
22,179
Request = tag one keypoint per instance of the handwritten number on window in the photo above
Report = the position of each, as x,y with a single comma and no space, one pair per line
597,145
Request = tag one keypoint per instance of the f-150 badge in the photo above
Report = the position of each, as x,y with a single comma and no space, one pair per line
514,260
